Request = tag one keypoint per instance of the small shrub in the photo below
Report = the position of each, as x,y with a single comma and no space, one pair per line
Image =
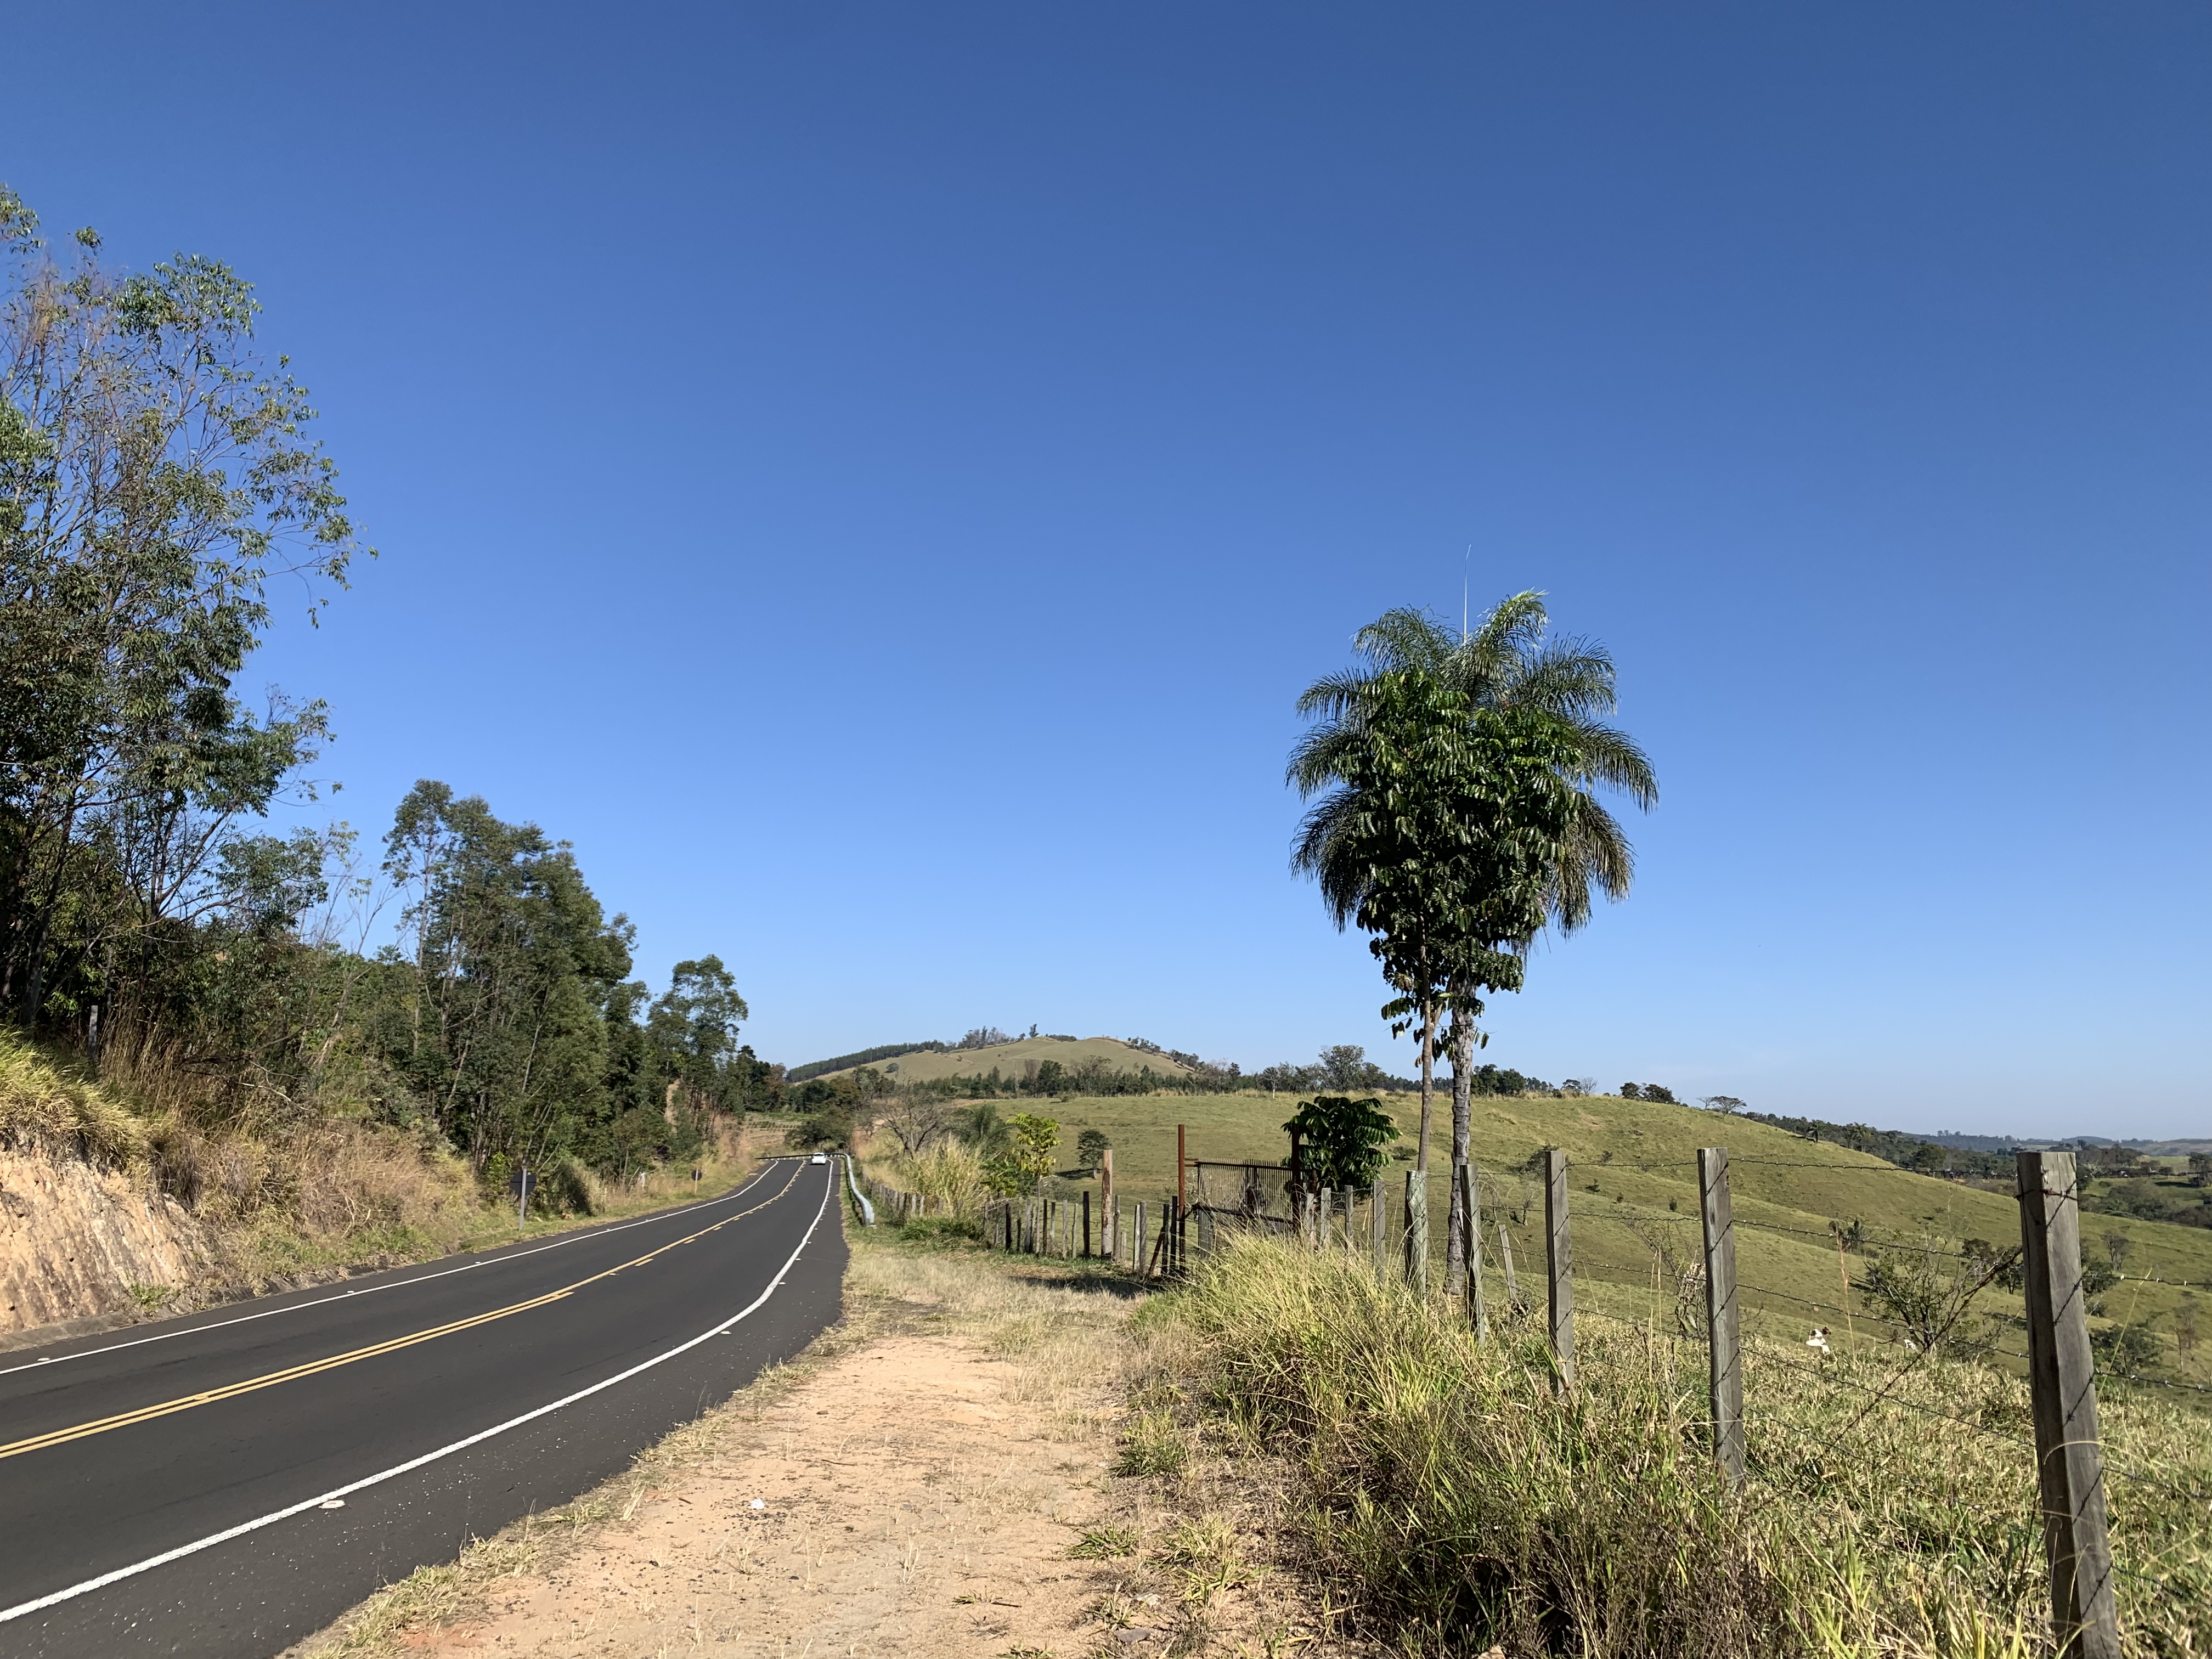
2126,1348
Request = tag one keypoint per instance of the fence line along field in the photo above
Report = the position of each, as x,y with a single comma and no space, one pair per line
1632,1172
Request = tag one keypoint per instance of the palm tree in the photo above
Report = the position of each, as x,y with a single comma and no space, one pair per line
1558,689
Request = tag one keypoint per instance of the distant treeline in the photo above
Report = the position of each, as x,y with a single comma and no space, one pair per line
864,1057
1907,1151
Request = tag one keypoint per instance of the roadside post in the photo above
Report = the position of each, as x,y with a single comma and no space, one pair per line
1470,1219
1109,1242
2061,1381
1723,1346
1558,1265
1182,1200
1417,1228
1378,1227
522,1183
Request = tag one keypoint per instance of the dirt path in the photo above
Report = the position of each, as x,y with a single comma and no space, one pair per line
901,1502
913,1490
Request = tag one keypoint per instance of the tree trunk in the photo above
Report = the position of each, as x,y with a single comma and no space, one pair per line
1463,1059
1417,1244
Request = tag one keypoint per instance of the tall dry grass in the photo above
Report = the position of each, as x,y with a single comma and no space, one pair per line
950,1175
1463,1499
46,1109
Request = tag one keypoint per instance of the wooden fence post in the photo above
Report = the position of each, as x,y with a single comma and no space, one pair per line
1086,1224
2062,1378
1723,1348
1505,1256
1320,1232
1378,1227
1110,1243
1470,1220
1558,1264
1182,1166
1417,1230
1137,1243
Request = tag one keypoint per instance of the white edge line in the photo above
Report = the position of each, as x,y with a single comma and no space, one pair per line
414,1463
576,1237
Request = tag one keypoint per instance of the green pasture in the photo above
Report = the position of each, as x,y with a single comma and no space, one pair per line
1627,1216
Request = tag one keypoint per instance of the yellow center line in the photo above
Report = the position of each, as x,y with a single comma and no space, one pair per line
232,1390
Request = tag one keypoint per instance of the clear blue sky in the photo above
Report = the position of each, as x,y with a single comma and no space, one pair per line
875,478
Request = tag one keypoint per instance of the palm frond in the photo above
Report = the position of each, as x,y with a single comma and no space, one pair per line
1332,696
1405,638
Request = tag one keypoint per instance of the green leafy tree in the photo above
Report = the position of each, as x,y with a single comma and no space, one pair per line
154,477
1542,701
693,1028
1033,1141
1437,837
505,1034
1090,1148
1340,1143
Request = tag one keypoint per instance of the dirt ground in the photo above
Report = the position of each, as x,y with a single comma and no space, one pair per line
917,1494
920,1511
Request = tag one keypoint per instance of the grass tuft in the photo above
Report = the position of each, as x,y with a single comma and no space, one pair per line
1103,1544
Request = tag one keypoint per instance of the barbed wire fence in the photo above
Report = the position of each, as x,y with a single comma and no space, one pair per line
1919,1313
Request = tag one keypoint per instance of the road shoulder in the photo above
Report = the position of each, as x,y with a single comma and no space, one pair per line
936,1476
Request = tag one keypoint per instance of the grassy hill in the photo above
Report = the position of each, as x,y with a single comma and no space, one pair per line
1626,1215
1010,1059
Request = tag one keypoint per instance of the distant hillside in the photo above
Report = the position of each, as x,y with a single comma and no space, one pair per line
864,1057
1635,1197
1011,1059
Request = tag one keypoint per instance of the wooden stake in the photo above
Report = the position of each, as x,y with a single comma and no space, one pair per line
1559,1265
1378,1227
1086,1224
1137,1243
1512,1284
1417,1230
1724,1350
2062,1380
1110,1243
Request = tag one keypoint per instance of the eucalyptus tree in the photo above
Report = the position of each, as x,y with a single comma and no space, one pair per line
506,1030
154,476
1528,846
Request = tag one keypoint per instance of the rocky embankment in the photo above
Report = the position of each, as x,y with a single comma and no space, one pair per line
78,1241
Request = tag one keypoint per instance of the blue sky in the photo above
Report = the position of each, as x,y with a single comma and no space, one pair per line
876,478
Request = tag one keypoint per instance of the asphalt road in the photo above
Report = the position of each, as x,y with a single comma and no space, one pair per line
228,1483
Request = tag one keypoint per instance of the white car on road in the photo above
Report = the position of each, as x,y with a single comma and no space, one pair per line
819,1157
